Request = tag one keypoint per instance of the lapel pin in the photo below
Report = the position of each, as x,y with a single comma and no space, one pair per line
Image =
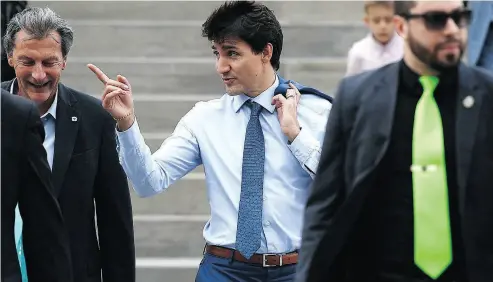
468,102
74,119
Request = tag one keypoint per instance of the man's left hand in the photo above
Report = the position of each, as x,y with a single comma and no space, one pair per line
287,108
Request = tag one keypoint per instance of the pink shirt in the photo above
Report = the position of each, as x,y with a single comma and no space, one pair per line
367,54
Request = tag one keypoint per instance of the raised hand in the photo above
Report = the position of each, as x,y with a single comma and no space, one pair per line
287,108
117,97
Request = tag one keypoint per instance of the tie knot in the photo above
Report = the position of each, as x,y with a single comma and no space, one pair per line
429,83
255,107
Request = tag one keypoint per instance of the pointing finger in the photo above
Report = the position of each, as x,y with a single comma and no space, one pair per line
99,73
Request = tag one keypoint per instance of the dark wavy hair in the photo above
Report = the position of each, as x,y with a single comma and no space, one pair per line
249,21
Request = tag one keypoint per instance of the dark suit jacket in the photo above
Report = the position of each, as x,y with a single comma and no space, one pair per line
26,180
357,137
88,181
284,86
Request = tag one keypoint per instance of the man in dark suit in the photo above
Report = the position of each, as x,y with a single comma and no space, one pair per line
81,149
403,190
26,180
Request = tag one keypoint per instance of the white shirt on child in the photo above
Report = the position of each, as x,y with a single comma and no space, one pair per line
367,54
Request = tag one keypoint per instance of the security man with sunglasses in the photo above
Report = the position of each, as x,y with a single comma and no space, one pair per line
404,185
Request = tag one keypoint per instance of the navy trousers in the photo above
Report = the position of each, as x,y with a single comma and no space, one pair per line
216,269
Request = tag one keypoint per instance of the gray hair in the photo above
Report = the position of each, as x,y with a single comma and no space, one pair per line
38,23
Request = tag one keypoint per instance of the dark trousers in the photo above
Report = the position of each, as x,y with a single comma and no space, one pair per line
216,269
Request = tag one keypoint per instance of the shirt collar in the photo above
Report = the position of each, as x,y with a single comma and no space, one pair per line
264,99
410,79
51,110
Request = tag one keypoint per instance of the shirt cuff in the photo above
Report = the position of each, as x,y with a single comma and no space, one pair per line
130,137
302,146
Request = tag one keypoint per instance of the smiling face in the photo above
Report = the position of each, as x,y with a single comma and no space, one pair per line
241,70
38,65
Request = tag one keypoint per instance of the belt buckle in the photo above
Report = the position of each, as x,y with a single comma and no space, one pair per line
264,260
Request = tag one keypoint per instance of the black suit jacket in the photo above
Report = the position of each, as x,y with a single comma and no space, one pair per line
89,180
26,180
358,132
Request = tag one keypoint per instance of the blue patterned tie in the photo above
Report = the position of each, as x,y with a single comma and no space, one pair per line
249,229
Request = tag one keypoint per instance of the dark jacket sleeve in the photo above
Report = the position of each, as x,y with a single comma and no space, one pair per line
326,196
45,239
114,212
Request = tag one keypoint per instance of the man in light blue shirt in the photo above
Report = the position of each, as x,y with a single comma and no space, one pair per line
260,151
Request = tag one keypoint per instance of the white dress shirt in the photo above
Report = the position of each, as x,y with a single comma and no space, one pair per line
368,54
213,134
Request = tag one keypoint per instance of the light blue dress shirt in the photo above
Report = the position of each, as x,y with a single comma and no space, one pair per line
48,120
213,134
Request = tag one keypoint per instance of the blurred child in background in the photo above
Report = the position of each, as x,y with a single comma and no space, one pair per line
382,45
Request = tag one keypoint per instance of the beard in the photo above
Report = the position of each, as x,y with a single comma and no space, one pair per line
430,58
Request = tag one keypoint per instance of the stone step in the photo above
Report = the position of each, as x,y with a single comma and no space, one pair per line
297,11
169,239
166,274
181,76
160,116
185,197
123,39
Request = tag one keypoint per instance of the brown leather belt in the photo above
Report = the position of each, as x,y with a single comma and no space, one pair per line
265,260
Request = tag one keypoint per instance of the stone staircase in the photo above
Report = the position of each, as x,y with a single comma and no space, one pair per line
159,48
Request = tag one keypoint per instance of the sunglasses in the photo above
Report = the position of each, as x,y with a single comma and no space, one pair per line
439,20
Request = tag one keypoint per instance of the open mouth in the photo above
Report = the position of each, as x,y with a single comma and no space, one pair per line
38,86
228,80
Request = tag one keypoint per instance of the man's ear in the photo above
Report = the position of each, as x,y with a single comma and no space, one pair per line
401,26
267,53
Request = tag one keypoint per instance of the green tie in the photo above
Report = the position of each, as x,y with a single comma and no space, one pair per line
432,238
